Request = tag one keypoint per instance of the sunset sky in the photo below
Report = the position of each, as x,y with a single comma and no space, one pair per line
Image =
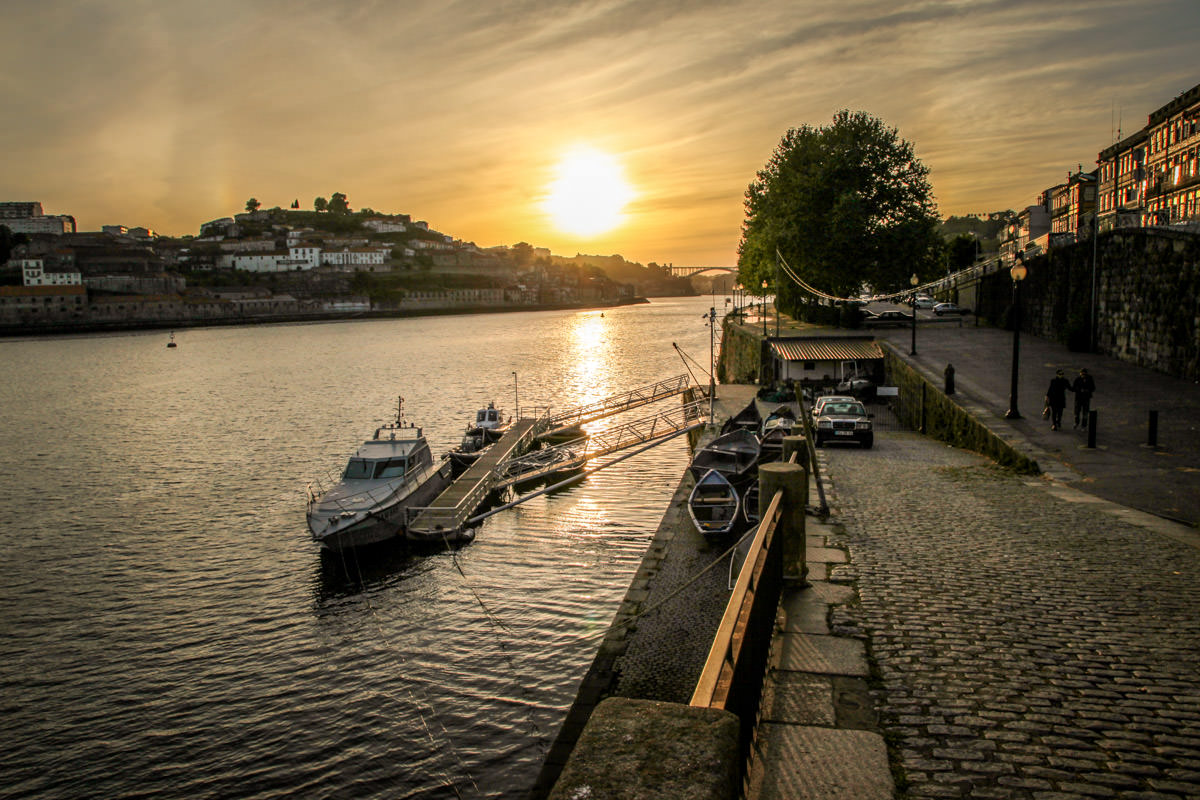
170,114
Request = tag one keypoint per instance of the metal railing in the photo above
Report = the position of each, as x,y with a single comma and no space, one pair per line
634,398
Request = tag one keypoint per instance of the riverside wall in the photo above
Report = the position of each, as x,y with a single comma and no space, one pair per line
223,314
743,354
922,406
1147,298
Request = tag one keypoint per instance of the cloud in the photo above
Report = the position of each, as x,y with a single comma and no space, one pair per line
169,114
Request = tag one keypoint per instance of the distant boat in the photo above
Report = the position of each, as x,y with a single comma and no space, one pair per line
171,343
714,504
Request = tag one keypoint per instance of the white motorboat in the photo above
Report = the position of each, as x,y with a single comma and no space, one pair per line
714,504
389,472
487,429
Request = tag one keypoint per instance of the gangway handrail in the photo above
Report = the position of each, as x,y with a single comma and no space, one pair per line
581,450
617,403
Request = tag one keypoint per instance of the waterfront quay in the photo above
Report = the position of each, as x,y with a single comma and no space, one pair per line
965,631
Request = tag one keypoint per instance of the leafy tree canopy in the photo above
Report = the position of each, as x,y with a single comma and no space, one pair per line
846,205
338,204
320,204
253,205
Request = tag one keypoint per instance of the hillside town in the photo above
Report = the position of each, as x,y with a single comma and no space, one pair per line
281,264
275,264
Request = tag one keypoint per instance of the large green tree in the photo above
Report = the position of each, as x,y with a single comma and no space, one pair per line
846,205
338,204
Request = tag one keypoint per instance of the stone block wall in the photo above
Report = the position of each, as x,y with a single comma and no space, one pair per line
1147,289
742,357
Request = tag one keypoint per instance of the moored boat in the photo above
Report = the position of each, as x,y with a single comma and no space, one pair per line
779,423
714,504
734,454
487,429
389,472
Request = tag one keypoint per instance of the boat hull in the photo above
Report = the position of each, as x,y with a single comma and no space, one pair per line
384,522
714,505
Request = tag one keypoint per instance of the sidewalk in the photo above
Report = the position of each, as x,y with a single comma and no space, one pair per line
1162,480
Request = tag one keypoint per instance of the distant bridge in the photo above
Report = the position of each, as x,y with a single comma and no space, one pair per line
687,272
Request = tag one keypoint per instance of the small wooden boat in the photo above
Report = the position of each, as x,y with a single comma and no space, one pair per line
750,503
714,504
734,454
747,418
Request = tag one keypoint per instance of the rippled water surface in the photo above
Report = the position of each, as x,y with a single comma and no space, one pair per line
169,629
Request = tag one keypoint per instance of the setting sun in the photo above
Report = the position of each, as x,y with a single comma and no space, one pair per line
588,194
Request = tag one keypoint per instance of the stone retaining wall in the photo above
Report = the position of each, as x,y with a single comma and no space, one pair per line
922,405
1147,284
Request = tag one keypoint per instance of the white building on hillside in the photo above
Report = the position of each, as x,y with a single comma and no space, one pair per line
298,258
355,256
33,274
384,225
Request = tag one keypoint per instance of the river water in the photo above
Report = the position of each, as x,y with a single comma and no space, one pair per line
169,630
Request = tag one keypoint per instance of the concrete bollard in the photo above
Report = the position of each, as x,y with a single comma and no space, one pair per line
792,480
1153,439
642,748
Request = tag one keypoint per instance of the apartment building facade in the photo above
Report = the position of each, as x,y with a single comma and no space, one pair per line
1152,177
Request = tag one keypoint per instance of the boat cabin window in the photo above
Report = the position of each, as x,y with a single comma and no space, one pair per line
358,468
392,468
362,469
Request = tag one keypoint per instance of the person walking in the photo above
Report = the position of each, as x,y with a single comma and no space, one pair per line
1056,398
1084,386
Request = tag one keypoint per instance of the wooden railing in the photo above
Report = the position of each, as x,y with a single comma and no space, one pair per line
732,677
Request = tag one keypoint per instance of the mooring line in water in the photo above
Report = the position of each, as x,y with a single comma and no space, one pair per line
495,620
446,740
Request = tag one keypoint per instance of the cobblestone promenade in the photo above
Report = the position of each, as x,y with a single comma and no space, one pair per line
1030,641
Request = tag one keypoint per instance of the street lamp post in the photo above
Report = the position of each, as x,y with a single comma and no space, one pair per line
712,361
764,309
1018,272
914,280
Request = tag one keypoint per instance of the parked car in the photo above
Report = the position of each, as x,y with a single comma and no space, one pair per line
844,422
885,318
830,398
924,301
949,308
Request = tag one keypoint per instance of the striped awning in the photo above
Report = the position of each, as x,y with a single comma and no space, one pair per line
826,349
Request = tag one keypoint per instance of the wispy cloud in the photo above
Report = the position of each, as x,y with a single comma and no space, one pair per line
168,114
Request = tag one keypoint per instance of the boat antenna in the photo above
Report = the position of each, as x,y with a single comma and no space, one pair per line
399,412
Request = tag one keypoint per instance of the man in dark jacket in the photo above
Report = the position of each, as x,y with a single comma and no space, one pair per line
1056,399
1084,387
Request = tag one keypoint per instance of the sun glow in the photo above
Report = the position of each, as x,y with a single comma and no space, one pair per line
589,193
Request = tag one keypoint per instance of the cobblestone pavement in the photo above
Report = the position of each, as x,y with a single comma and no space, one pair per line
1029,642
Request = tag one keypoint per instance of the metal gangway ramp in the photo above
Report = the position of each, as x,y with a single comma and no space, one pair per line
460,499
576,453
556,424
